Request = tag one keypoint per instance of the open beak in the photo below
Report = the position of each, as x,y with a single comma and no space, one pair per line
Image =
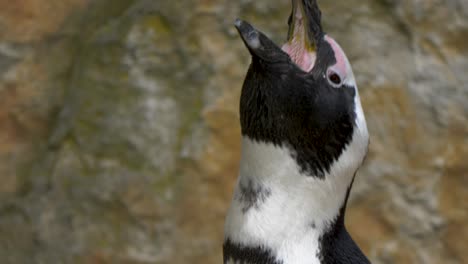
259,45
305,27
305,32
304,35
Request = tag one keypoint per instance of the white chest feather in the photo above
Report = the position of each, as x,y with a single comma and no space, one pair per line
287,211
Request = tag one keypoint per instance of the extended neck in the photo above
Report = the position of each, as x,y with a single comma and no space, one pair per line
279,209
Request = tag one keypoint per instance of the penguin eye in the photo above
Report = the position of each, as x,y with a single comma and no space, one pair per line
334,79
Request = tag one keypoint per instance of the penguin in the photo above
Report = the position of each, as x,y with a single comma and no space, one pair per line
304,136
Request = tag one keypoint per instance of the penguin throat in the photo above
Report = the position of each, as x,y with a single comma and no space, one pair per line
279,208
298,47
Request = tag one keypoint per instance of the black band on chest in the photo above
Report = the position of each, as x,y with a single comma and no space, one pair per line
247,255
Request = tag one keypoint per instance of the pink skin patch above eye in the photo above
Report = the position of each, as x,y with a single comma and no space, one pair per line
341,66
305,59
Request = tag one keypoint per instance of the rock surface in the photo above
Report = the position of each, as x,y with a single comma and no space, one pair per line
120,138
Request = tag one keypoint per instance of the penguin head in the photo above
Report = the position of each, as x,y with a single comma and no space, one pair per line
302,96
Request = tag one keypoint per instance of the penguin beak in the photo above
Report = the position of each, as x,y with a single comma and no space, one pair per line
249,34
305,27
259,45
304,34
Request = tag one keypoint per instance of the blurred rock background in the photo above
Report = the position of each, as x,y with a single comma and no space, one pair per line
119,136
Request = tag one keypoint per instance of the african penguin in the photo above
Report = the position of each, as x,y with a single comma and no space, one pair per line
304,136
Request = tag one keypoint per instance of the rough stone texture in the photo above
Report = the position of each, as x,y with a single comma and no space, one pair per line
119,137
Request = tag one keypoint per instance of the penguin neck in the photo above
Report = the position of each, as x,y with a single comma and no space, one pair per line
280,210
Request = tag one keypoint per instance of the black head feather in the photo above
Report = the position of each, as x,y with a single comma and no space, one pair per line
283,105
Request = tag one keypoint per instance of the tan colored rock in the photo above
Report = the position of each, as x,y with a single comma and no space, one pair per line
32,20
453,195
26,80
